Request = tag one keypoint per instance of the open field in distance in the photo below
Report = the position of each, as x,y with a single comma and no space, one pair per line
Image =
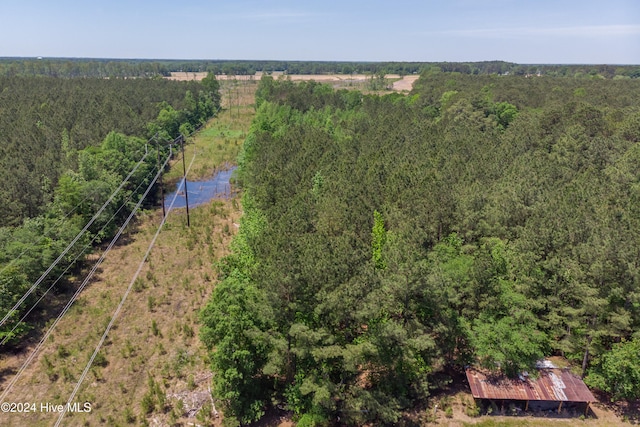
400,83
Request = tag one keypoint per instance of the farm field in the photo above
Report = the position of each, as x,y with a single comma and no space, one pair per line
400,83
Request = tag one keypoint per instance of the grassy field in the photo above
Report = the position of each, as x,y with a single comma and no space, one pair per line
152,369
218,142
152,366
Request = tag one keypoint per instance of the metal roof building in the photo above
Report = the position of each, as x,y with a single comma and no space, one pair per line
554,386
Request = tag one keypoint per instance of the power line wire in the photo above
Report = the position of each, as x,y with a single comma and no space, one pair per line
84,249
83,285
71,244
80,288
91,193
117,311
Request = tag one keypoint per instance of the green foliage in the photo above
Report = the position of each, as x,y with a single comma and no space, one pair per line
617,371
317,184
139,285
506,345
312,420
448,412
378,239
264,89
509,233
212,86
378,81
472,410
100,360
47,121
231,325
143,68
129,416
13,284
446,98
147,404
191,383
154,328
154,399
505,113
67,165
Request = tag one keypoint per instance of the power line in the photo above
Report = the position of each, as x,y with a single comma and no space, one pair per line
117,311
91,193
70,245
10,263
80,288
33,245
84,283
87,246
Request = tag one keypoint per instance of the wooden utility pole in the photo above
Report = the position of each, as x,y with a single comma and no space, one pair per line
184,177
164,213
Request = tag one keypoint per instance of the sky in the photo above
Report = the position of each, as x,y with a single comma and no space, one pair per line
521,31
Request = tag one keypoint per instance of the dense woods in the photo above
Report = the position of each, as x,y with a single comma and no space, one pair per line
389,241
44,122
66,147
486,218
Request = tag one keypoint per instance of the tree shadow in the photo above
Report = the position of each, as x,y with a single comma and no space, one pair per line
274,417
54,301
627,410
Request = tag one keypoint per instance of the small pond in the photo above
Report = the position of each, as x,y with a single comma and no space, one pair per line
201,192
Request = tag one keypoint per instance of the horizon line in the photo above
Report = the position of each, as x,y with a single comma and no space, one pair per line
337,61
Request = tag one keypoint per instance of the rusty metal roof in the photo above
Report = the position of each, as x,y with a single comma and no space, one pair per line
551,385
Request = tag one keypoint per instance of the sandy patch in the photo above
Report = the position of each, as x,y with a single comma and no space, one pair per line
406,83
185,76
402,84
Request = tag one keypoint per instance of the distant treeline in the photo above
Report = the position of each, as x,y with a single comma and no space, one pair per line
79,67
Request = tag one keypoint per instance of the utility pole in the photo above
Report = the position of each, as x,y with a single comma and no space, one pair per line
164,213
184,177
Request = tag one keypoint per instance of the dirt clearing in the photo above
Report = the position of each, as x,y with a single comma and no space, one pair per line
400,83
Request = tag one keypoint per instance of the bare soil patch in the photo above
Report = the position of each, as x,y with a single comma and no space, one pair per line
186,76
405,83
401,83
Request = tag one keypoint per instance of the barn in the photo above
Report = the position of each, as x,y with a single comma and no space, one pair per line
553,389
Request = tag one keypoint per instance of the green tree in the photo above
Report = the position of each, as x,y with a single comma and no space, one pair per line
505,113
509,233
13,285
378,81
212,87
378,239
617,371
507,345
234,332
